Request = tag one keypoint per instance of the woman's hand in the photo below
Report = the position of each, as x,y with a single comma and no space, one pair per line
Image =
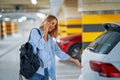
46,28
75,61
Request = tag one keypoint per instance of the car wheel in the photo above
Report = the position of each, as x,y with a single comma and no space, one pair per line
75,51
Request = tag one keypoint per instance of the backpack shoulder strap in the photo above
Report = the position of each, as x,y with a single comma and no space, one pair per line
38,31
31,31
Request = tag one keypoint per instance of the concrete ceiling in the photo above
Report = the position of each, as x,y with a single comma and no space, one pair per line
45,6
70,9
18,8
98,5
63,8
24,5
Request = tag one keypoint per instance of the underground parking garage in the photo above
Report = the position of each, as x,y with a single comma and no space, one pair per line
83,17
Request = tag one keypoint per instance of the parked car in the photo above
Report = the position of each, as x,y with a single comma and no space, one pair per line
71,45
101,59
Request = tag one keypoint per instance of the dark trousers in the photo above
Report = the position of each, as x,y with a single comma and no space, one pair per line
37,76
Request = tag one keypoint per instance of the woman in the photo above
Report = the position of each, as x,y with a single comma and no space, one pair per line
48,48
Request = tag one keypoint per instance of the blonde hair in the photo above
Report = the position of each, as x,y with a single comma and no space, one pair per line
54,32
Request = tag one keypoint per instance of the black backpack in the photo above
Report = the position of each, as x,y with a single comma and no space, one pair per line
29,61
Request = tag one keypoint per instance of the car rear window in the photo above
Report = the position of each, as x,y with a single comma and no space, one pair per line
104,43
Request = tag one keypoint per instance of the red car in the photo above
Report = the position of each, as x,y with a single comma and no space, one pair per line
71,45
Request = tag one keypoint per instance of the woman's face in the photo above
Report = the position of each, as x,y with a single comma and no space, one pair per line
51,24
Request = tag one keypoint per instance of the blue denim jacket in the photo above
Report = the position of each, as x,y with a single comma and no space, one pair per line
47,51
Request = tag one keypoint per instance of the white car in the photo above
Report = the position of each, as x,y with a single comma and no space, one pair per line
101,59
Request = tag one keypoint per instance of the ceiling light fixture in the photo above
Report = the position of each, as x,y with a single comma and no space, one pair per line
41,15
34,2
0,15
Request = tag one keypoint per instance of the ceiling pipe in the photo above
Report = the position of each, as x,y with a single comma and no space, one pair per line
55,6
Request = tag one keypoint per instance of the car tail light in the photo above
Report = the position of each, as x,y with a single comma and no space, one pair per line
104,69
